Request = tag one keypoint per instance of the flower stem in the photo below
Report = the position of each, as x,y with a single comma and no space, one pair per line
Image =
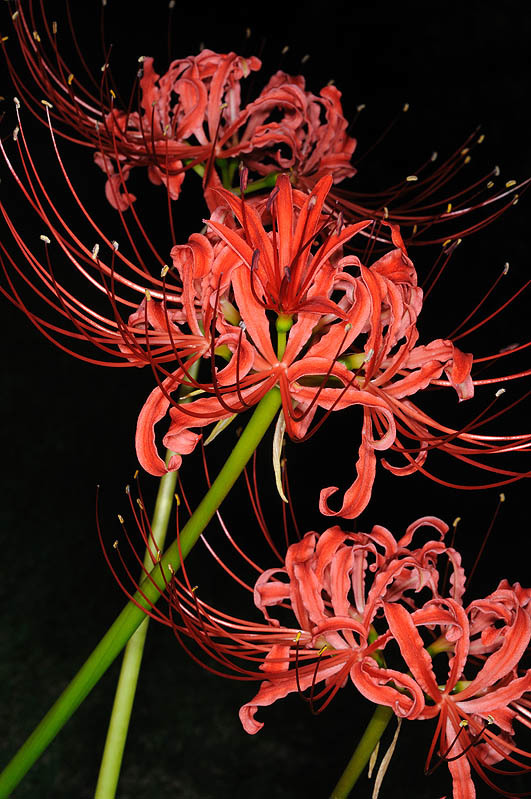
374,731
132,660
133,614
122,708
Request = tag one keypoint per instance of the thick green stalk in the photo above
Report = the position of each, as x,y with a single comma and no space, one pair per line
131,617
373,732
125,690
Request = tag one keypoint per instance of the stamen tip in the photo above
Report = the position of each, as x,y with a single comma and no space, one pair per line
45,239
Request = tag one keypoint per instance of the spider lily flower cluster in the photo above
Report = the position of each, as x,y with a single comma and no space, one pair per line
380,614
192,117
277,294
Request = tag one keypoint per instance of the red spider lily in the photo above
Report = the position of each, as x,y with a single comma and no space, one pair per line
468,709
329,592
191,113
346,335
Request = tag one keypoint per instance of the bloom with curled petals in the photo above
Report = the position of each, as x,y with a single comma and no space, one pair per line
346,333
328,592
473,701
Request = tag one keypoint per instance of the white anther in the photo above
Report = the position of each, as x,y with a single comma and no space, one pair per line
95,251
499,392
45,239
15,133
17,102
115,245
506,268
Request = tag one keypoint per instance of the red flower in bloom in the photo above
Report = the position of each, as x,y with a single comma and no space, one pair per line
468,708
346,335
193,113
333,587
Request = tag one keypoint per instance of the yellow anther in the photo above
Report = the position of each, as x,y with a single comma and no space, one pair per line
45,239
305,58
490,719
115,545
46,103
104,67
360,107
171,569
70,79
120,519
14,15
415,228
54,27
502,497
297,637
481,139
159,555
135,475
456,521
515,199
405,107
164,271
284,49
490,184
463,723
140,503
386,212
148,295
411,179
36,36
465,150
510,183
4,38
323,649
127,490
194,589
112,93
448,208
248,33
467,160
446,243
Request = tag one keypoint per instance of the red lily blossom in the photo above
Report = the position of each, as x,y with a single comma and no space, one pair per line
334,586
346,335
468,707
191,115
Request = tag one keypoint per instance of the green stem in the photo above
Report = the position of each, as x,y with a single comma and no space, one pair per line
132,660
374,731
131,616
125,691
267,182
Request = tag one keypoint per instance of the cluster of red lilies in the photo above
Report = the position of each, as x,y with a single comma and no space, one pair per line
291,287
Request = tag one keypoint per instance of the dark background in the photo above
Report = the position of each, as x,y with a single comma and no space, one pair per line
68,426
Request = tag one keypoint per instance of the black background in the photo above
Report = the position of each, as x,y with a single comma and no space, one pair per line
68,426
